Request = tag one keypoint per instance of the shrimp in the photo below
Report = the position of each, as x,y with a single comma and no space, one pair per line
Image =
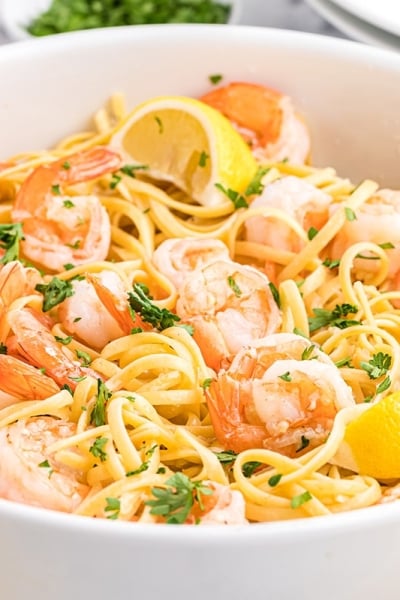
229,305
116,301
34,342
17,281
298,199
265,118
84,315
223,507
30,474
377,221
177,257
60,229
21,381
273,396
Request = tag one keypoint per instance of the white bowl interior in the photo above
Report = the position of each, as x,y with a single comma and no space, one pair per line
349,95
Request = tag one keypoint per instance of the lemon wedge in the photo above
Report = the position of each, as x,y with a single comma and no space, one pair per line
371,444
186,142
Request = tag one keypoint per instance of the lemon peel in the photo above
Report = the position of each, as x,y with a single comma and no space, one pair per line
186,142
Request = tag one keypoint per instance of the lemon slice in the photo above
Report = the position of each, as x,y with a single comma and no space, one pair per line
371,443
186,142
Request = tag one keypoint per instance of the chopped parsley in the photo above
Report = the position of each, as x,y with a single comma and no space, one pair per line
274,479
63,340
331,263
54,292
384,385
311,233
97,449
256,186
275,293
234,286
66,165
56,189
98,414
378,365
206,383
215,79
386,246
84,356
333,318
115,179
143,467
304,443
203,159
307,352
3,348
297,501
226,457
160,318
249,467
113,507
68,204
175,501
344,362
10,238
286,376
131,169
237,199
350,214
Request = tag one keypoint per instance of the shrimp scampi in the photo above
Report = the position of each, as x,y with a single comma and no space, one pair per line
280,392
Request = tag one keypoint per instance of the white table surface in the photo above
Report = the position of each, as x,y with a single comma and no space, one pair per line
284,14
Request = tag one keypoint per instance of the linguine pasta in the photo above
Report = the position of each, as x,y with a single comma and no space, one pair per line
149,418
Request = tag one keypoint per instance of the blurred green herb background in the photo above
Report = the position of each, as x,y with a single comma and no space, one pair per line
73,15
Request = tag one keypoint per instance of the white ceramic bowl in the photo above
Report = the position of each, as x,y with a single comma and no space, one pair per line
15,15
350,96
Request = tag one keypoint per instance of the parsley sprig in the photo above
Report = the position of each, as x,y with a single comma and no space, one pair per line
333,318
54,292
139,301
98,414
176,500
10,237
378,365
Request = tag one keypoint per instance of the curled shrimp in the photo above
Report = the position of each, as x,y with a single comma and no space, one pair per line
33,341
377,221
61,229
85,316
297,198
30,474
265,118
21,381
177,257
222,507
274,396
229,305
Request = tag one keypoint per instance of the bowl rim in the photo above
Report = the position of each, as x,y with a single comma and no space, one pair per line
277,531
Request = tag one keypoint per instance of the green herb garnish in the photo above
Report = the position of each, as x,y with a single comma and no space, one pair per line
98,414
237,199
10,238
175,501
160,318
333,318
54,292
97,449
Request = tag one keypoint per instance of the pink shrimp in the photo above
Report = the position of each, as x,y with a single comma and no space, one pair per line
265,118
298,199
21,381
33,341
30,474
62,229
229,305
222,507
377,221
115,301
85,316
177,257
273,396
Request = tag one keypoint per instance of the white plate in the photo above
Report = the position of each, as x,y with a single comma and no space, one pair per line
354,27
380,13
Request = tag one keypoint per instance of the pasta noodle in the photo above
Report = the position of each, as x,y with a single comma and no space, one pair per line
139,410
